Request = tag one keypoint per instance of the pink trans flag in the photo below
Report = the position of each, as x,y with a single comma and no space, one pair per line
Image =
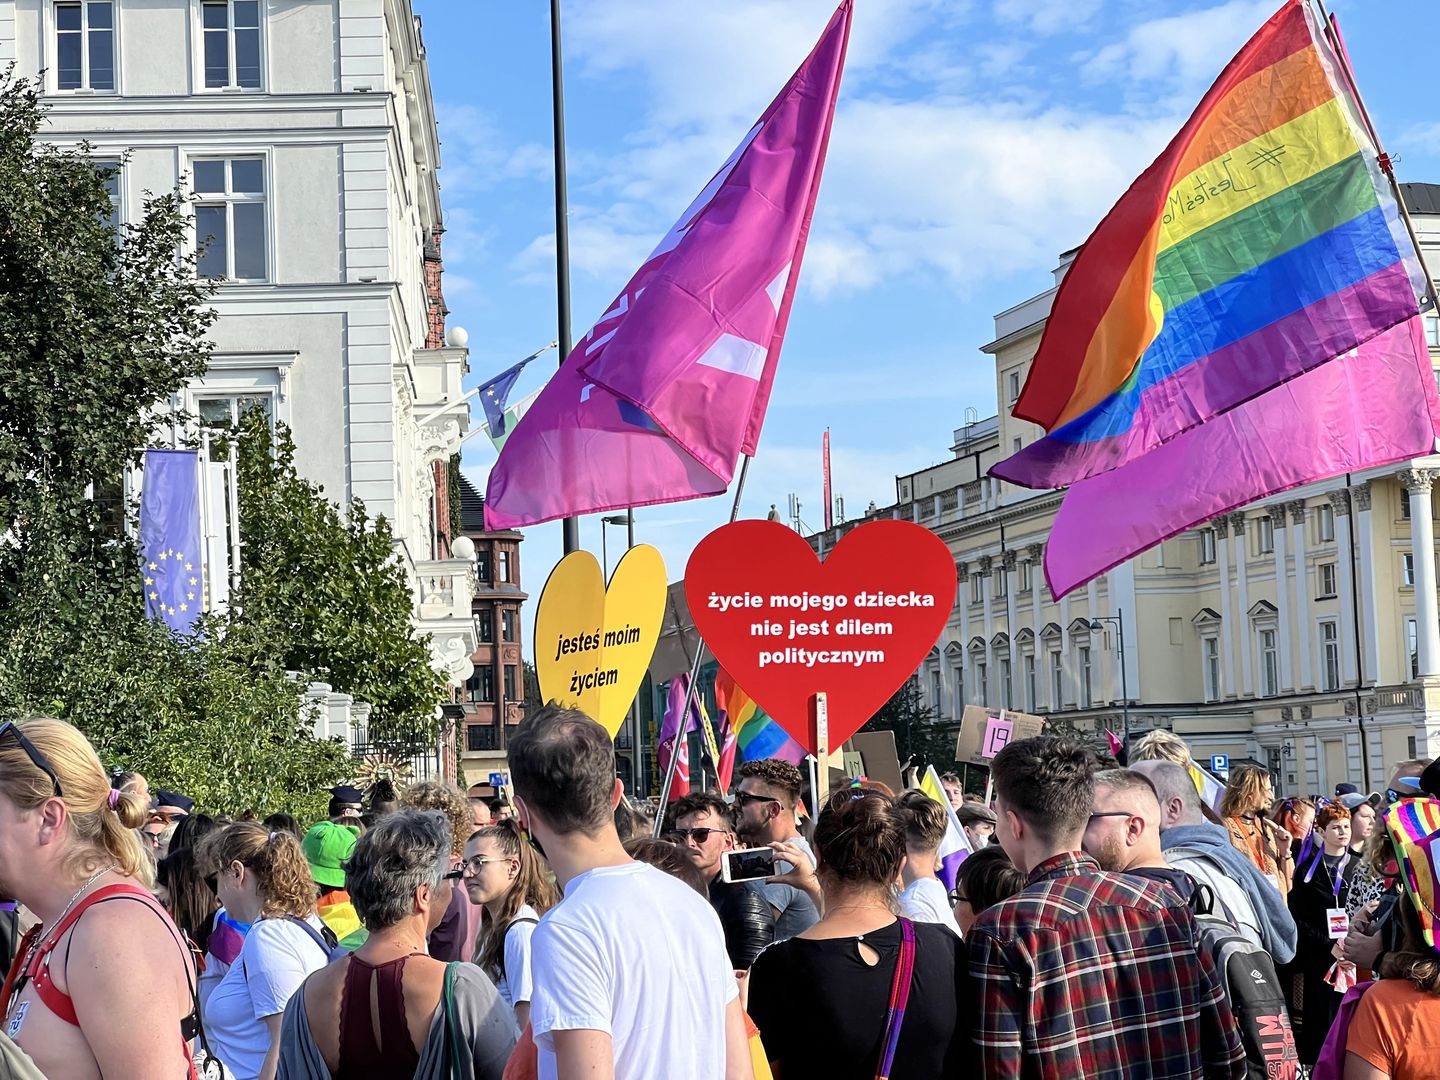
1373,406
657,402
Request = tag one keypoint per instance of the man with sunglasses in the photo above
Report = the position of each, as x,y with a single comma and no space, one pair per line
765,801
703,823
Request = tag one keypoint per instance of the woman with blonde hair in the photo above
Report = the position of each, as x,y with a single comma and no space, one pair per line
262,879
1242,812
506,877
454,938
70,853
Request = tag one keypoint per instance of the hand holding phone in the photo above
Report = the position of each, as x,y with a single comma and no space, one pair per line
747,864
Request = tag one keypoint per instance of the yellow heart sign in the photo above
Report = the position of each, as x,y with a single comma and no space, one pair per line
592,644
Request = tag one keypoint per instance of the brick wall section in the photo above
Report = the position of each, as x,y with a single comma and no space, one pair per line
435,310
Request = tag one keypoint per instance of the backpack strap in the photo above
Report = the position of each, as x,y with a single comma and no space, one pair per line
327,941
899,997
508,927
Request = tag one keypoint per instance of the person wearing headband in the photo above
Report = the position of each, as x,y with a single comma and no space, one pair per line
70,852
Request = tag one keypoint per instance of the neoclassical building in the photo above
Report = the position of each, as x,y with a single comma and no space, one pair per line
306,132
1301,632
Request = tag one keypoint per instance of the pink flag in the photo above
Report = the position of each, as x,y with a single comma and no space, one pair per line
656,403
1373,406
674,738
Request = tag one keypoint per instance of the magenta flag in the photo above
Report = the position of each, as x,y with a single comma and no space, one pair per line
1373,406
657,402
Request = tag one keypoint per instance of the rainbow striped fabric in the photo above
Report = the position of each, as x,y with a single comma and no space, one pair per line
1414,826
1265,241
756,734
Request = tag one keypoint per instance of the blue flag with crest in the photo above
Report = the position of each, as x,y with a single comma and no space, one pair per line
170,545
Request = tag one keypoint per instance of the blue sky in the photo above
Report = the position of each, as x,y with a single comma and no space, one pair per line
975,140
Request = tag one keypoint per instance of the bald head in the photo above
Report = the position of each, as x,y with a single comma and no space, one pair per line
1175,789
1124,827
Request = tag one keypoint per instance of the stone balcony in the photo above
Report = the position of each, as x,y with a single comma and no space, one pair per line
446,591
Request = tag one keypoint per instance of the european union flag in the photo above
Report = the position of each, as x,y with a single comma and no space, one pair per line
170,537
495,393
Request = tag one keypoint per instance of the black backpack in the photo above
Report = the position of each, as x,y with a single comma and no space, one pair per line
1253,988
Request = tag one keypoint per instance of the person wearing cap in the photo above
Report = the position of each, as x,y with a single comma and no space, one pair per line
327,847
171,804
1395,1030
978,821
1363,809
345,800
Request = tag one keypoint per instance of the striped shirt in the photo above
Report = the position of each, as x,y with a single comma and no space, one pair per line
1091,974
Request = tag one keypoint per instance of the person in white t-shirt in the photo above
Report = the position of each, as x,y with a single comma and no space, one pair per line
630,973
262,878
924,898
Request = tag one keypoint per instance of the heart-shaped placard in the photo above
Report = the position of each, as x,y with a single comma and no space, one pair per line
786,626
593,645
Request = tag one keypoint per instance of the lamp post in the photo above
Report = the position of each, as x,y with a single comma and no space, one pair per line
632,715
1119,620
614,519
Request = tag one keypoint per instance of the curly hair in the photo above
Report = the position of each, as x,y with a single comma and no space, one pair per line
1245,793
783,777
450,801
273,856
1328,814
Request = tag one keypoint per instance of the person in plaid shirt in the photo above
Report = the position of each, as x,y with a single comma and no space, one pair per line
1086,973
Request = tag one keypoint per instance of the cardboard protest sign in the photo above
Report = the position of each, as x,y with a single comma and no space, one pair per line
877,749
592,644
788,627
984,732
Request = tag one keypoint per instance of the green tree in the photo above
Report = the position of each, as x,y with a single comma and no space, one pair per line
916,728
324,592
95,330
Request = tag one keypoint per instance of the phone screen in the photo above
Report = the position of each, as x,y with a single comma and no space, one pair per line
749,865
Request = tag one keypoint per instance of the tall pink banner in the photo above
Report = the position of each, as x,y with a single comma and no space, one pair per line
656,403
1373,406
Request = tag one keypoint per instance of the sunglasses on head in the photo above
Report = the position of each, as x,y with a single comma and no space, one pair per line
9,727
698,835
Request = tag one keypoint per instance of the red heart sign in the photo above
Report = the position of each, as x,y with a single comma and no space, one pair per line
786,627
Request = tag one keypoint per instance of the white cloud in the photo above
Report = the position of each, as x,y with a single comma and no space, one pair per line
1186,51
474,157
1046,16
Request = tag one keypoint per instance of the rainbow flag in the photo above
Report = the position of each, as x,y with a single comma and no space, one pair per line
750,732
338,913
1265,241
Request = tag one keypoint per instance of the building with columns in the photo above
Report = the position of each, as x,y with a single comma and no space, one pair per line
1301,632
306,132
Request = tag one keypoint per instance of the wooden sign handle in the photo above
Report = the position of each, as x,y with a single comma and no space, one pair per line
820,719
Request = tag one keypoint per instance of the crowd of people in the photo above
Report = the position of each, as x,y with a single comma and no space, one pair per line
1109,920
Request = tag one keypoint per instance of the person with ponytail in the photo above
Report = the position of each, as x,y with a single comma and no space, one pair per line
262,879
69,852
503,873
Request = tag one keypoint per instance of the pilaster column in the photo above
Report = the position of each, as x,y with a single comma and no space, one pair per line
962,572
1008,563
1278,517
1227,625
1363,524
1035,553
984,565
1340,503
1422,541
1304,632
1242,613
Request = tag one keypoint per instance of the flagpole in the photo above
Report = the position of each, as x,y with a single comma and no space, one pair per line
570,526
1359,637
1342,56
696,664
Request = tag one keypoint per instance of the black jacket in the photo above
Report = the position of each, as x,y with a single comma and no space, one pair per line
747,918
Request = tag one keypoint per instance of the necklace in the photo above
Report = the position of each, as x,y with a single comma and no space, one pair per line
79,893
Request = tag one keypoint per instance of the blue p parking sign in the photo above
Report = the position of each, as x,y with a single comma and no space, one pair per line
1219,763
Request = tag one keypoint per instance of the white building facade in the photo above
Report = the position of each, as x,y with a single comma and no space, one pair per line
1301,632
306,131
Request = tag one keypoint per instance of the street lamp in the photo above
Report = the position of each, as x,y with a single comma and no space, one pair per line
627,519
1119,620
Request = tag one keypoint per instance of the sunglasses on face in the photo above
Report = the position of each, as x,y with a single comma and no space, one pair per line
698,835
1112,813
743,797
9,727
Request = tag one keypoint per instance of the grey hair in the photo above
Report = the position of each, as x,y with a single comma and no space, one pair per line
1173,781
402,852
